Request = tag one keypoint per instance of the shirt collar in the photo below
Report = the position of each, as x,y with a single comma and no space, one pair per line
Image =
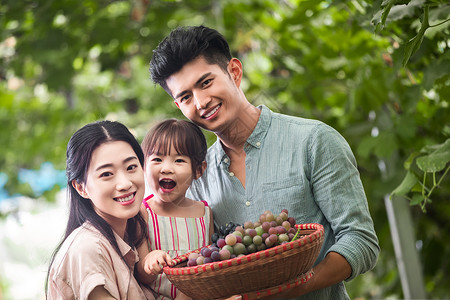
259,133
129,254
255,139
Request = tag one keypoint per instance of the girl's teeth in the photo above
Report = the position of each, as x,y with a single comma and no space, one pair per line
125,199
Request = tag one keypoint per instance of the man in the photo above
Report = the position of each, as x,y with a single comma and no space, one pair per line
268,161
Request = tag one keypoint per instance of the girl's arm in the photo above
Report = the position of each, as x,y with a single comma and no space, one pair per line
150,262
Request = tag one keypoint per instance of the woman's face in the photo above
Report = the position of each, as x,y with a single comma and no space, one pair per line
115,183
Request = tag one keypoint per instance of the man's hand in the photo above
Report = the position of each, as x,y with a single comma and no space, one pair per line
333,269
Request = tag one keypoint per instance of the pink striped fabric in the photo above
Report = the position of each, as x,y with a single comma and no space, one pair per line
176,236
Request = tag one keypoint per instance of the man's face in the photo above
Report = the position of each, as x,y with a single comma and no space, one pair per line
206,94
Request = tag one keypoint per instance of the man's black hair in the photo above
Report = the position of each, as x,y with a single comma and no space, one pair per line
185,44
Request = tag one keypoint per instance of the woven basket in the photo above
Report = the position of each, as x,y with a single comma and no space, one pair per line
249,274
279,288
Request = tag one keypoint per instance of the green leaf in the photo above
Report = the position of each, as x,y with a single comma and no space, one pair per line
379,19
407,164
414,44
446,130
435,71
416,199
437,160
408,182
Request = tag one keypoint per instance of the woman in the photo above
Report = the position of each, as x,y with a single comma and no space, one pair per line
96,258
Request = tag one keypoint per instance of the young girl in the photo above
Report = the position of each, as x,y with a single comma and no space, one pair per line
174,153
106,184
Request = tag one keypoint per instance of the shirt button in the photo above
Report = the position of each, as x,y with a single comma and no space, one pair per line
258,144
226,160
231,174
247,203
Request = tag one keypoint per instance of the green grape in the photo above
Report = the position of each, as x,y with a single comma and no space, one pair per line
270,217
238,233
229,248
283,238
279,220
259,230
239,248
283,216
251,248
247,240
261,247
257,240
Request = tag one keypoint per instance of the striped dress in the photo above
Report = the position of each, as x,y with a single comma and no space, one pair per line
176,236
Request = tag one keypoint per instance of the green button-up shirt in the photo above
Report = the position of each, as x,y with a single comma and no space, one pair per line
306,167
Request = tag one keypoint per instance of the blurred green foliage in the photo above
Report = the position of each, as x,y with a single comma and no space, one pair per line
377,71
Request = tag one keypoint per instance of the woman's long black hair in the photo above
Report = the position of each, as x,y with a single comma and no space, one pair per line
78,157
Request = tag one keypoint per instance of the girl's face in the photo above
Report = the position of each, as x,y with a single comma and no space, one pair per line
169,176
115,183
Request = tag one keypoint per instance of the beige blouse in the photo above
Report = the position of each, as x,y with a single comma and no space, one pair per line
87,260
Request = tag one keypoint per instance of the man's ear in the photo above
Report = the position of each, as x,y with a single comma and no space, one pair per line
201,169
79,188
235,70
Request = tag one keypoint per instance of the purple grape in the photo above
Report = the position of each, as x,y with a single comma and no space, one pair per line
265,226
215,256
206,252
292,221
221,243
207,260
281,229
192,262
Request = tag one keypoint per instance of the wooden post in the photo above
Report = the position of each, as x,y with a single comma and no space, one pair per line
402,232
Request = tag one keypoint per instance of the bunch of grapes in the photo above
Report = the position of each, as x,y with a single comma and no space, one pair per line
234,240
224,230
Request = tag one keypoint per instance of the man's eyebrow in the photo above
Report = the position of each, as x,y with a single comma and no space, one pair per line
110,165
203,77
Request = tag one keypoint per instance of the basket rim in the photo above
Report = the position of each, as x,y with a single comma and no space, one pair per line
208,267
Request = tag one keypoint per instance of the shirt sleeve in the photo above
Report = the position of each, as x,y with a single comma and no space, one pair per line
94,261
339,193
85,264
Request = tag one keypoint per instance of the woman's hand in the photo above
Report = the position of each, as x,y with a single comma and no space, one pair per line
155,261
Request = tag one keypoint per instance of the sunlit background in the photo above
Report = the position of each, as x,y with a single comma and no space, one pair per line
377,71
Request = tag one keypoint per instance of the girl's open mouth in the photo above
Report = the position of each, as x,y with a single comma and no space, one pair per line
167,184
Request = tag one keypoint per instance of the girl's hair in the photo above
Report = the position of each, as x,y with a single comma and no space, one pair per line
79,152
186,137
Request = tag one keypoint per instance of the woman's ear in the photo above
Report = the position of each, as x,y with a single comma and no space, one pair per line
200,170
79,188
235,70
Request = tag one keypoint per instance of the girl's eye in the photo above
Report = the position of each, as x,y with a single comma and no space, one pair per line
179,160
157,159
